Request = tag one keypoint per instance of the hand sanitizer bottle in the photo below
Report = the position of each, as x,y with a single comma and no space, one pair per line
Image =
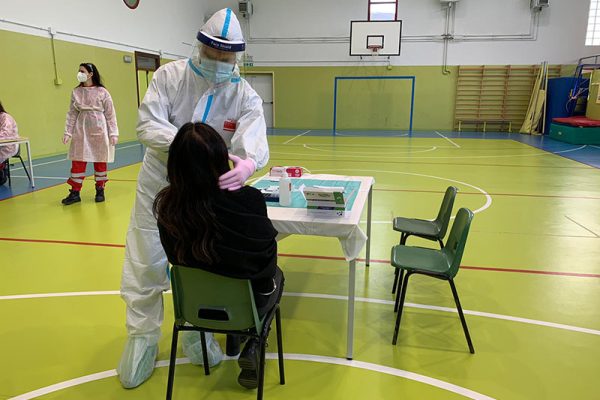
285,190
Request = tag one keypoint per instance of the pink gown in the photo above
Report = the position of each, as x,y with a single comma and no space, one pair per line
91,120
8,130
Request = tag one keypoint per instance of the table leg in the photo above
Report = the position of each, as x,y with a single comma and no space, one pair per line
370,201
351,287
30,163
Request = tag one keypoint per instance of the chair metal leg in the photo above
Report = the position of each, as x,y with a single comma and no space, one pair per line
279,347
403,238
406,235
261,369
461,315
8,172
401,275
395,281
204,353
399,316
24,168
172,362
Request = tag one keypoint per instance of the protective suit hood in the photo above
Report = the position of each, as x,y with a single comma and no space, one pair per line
223,32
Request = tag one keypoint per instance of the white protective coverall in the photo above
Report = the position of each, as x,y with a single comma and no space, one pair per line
91,120
177,94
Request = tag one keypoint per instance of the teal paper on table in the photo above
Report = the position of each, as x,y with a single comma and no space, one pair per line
350,190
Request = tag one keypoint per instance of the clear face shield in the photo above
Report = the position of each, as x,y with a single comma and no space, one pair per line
217,66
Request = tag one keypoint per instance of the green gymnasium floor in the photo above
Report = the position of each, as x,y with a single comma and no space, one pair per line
530,282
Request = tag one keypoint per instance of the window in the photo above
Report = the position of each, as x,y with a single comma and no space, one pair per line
386,10
593,31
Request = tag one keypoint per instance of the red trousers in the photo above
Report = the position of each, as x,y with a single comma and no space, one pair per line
78,174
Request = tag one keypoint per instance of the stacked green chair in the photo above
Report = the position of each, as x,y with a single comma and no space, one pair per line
427,229
441,264
209,302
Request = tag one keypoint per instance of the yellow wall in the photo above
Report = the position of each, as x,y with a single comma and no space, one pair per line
303,95
28,92
304,98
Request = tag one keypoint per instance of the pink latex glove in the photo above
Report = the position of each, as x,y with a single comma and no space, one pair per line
114,140
235,179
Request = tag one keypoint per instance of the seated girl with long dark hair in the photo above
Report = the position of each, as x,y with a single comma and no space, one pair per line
220,231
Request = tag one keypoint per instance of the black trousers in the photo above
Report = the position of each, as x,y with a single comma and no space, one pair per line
265,302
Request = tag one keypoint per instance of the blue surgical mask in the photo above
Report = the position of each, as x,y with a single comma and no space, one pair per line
216,71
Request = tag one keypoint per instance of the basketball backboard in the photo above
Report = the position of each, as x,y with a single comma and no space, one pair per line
383,37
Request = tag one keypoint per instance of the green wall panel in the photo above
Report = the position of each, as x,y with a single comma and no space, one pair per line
304,98
28,92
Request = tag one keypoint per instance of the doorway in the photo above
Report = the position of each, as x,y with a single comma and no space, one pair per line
145,65
263,83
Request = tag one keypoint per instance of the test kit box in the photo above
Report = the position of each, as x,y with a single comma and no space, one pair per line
292,172
271,194
325,201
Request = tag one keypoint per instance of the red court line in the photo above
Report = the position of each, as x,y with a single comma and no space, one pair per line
532,271
434,163
522,271
493,194
61,242
331,258
560,155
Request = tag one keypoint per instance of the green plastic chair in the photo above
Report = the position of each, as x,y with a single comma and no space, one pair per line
427,229
440,264
214,303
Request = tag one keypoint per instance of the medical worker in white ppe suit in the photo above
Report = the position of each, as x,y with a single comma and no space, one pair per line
205,88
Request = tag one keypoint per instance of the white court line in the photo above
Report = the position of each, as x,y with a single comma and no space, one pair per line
488,198
369,145
65,159
455,145
64,294
336,151
452,310
538,154
40,177
297,136
273,356
362,136
326,296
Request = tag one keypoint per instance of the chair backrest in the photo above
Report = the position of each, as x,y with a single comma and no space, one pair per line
443,218
212,301
455,246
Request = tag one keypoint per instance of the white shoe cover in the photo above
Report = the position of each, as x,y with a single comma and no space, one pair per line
137,361
192,348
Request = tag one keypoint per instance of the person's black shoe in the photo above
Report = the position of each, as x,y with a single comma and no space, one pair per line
248,362
248,378
99,195
72,198
3,175
233,344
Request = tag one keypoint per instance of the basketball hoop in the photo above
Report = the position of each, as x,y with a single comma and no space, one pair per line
374,49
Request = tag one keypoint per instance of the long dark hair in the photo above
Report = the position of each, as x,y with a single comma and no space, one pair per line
2,110
197,158
96,78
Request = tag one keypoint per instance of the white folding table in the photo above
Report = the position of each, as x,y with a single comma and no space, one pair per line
297,221
8,142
